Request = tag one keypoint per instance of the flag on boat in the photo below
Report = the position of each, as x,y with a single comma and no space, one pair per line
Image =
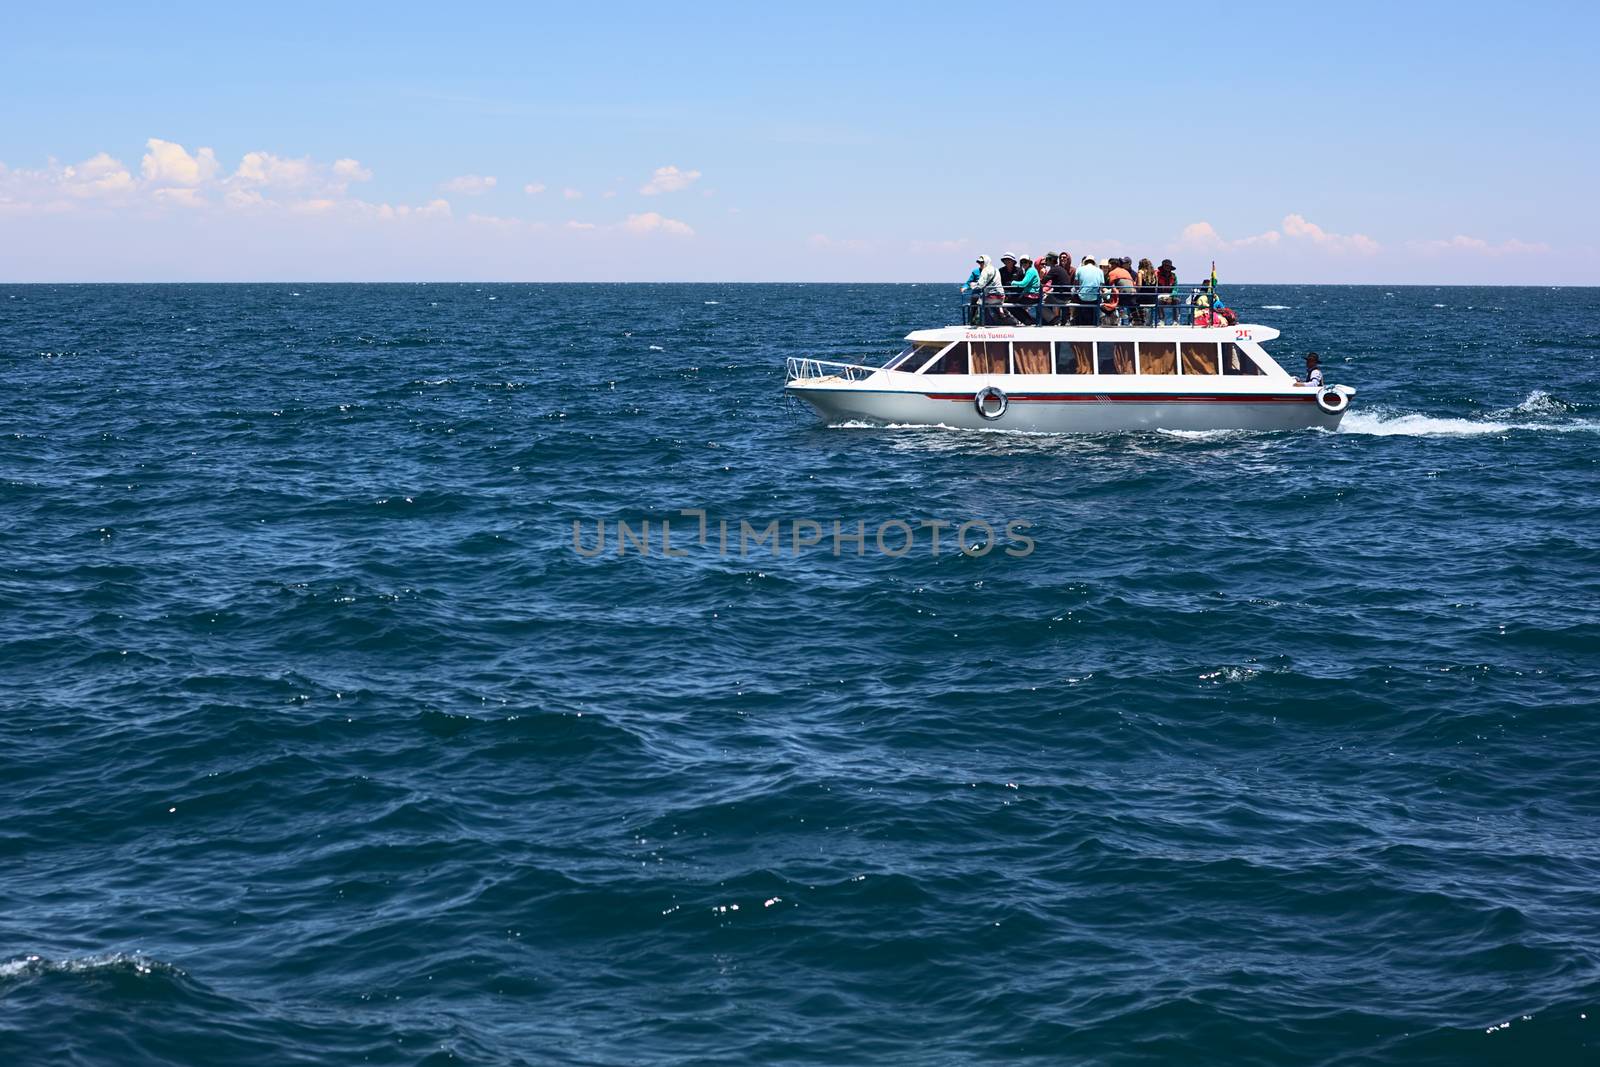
1213,274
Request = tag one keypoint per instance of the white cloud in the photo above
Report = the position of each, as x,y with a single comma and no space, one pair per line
533,188
100,175
433,209
55,188
669,180
572,194
1203,235
260,173
264,168
574,224
166,163
1296,226
351,171
651,222
469,185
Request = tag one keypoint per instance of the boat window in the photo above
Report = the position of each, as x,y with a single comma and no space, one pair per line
914,357
1158,357
989,357
1236,360
1199,357
1033,357
1116,357
952,362
1074,357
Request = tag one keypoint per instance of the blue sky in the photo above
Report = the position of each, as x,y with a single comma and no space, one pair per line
1354,142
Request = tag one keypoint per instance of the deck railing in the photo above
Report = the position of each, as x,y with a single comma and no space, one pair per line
801,367
1149,305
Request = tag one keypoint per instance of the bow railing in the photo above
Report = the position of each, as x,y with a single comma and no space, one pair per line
804,368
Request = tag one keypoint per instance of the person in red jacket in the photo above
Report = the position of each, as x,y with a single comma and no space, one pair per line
1120,279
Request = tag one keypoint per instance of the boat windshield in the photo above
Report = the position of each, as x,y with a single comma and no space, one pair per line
914,356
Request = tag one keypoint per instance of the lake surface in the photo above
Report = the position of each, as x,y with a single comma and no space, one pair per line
323,744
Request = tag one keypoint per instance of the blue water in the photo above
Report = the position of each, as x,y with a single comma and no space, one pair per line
322,745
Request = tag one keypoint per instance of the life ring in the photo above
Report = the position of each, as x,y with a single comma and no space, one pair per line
986,394
1332,401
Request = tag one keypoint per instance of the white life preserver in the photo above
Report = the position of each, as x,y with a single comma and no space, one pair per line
988,393
1331,400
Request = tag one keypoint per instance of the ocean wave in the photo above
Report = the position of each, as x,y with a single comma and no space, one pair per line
120,963
1378,421
1538,402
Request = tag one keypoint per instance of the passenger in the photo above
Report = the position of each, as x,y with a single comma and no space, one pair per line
1090,279
1147,292
1027,291
1201,299
1009,274
1313,376
1167,284
1057,293
974,295
1123,299
989,292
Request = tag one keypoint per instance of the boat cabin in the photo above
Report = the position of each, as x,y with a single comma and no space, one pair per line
1183,352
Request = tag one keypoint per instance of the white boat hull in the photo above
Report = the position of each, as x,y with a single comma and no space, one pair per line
1063,411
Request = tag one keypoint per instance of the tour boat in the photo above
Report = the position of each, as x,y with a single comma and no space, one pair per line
1073,379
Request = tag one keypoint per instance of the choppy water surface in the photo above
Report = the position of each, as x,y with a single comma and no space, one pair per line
321,744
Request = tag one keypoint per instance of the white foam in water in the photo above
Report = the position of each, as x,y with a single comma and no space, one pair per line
1540,402
1203,435
1383,422
1415,425
1276,307
657,348
32,966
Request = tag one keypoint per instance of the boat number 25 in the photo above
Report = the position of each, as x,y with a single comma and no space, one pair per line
1241,335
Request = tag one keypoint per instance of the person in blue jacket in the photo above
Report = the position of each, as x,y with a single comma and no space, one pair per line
1090,279
1026,293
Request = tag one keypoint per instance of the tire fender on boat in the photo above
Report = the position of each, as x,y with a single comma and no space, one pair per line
1332,400
986,394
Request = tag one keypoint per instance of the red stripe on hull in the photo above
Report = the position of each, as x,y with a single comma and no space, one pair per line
1143,398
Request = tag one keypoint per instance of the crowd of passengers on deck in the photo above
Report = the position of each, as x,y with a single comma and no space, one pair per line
1055,292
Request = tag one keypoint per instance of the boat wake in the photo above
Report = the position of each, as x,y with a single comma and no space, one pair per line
1538,412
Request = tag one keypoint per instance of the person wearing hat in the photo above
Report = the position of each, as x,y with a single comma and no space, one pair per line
984,294
1009,273
1058,291
1166,287
1027,293
1120,305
